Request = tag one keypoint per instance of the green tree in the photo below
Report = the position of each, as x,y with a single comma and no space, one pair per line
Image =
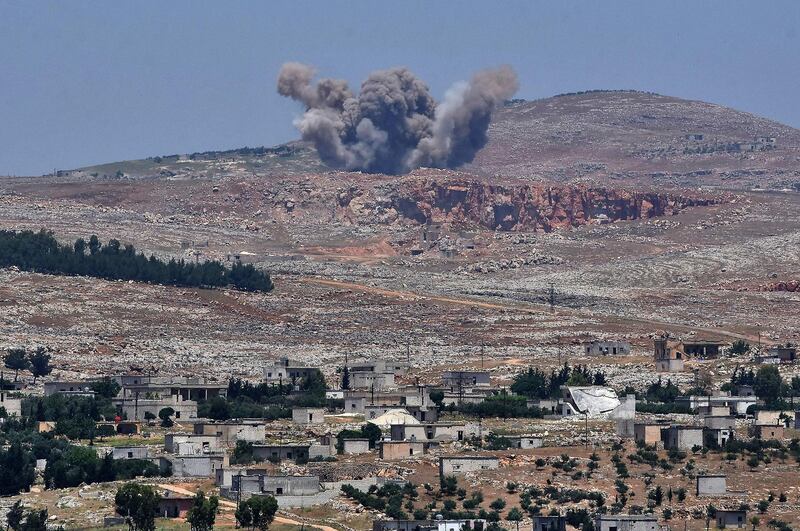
514,515
739,347
138,504
768,384
219,409
203,513
17,360
346,377
15,515
257,512
39,363
165,415
17,470
106,387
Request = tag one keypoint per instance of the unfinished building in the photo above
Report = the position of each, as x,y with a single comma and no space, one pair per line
607,348
450,465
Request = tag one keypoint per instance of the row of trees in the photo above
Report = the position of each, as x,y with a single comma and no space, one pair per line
40,252
536,383
139,505
37,362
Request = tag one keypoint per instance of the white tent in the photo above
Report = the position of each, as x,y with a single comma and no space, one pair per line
594,400
395,416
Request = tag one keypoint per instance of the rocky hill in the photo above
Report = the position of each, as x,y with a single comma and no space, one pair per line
639,136
599,136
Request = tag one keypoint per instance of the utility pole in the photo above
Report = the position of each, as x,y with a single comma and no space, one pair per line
482,349
586,416
552,298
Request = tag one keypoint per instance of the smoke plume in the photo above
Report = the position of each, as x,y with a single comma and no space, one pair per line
394,125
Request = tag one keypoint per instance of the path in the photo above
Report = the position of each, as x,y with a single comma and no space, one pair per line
229,505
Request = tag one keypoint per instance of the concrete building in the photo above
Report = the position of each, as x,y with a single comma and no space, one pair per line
666,355
428,525
230,431
549,523
784,354
173,505
711,485
648,433
434,431
192,444
769,432
130,452
397,450
525,442
450,465
195,466
143,386
13,406
683,437
607,348
374,375
280,452
420,413
718,437
711,405
70,388
731,519
308,415
626,522
137,407
274,485
459,380
355,446
284,371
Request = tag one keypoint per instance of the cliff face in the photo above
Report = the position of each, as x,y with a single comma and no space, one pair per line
510,207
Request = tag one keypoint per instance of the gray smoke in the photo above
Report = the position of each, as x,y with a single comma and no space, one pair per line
394,125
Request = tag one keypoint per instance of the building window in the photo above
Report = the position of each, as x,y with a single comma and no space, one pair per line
279,490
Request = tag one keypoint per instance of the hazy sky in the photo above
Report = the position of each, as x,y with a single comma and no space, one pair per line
85,82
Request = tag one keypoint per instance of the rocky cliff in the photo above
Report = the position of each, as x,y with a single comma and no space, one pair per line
508,206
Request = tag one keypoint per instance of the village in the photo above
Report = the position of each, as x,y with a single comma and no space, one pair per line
378,449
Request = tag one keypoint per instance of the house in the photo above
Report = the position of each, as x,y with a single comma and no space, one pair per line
458,380
667,356
428,525
433,431
280,452
648,433
763,417
549,523
283,371
735,519
375,374
140,408
784,354
549,406
595,400
450,465
194,466
626,522
718,437
708,405
70,388
173,505
525,442
682,437
397,450
192,443
420,413
606,348
711,485
230,431
12,406
308,415
355,401
143,386
130,452
355,446
764,433
274,485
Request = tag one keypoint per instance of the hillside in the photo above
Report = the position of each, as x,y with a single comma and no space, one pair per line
635,135
600,135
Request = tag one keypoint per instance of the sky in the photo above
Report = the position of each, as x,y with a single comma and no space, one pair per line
87,82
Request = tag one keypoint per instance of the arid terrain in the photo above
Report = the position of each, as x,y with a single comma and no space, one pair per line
589,216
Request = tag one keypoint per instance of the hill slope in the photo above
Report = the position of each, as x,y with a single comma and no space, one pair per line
634,135
600,136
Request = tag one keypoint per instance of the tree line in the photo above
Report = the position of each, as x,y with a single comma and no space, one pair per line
536,383
40,252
